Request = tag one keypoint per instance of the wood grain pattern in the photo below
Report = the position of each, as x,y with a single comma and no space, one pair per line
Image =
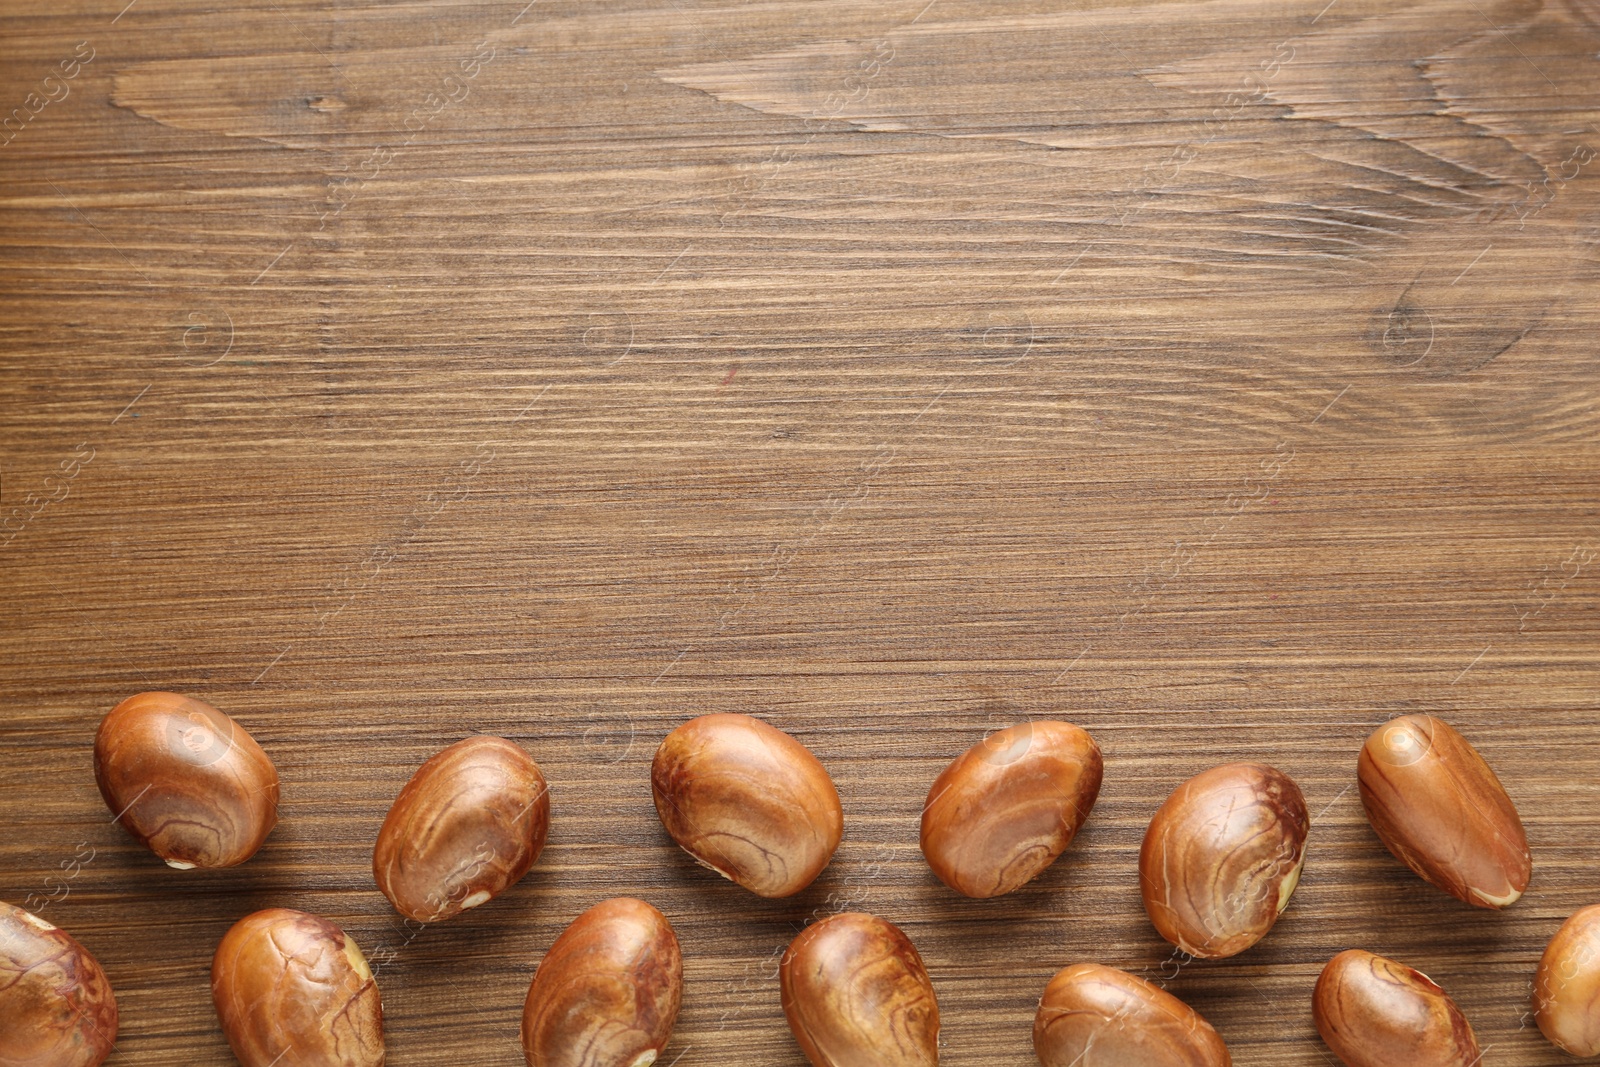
1220,377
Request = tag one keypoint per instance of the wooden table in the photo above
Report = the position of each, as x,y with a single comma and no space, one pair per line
1219,376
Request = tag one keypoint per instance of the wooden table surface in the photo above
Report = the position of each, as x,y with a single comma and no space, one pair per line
1220,376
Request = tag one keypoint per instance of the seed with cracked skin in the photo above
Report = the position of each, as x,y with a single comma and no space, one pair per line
186,781
1008,806
1222,857
470,823
56,1006
1437,806
748,801
1566,990
857,995
1095,1016
1374,1012
607,992
293,990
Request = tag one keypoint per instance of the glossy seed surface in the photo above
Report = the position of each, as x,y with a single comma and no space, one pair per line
748,801
856,994
608,991
56,1005
466,827
1566,988
1438,807
1005,809
1096,1016
1222,857
185,780
1374,1012
292,990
